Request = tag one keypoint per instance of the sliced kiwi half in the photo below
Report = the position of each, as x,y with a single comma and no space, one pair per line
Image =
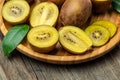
107,24
43,38
16,11
45,13
74,39
98,34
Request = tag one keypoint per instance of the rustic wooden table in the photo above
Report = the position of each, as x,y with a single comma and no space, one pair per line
21,67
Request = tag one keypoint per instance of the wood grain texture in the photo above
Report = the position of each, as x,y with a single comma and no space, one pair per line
59,55
21,67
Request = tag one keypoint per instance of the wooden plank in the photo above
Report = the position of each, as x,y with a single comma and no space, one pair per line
2,74
20,67
14,68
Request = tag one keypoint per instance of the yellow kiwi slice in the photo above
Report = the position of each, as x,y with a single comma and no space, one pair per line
107,24
74,39
98,34
16,11
43,38
45,13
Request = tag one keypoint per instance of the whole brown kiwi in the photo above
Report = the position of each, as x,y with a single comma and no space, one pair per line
101,6
75,12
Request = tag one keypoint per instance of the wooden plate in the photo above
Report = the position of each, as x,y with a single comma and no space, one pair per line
59,55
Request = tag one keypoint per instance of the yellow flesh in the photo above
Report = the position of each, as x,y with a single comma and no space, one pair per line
10,16
101,38
44,14
43,43
82,41
107,24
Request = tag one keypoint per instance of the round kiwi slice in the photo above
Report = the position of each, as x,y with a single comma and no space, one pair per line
98,34
74,39
16,11
107,24
43,38
45,13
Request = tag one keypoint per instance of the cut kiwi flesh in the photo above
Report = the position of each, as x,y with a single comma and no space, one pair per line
98,34
107,24
16,11
43,38
74,39
45,13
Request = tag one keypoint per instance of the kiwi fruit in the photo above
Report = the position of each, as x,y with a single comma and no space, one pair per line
101,6
45,13
75,13
98,34
74,39
16,11
43,38
107,24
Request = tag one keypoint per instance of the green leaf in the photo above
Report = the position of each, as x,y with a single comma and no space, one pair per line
116,5
14,36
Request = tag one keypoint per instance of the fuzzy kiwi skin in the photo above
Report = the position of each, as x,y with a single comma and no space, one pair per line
101,6
75,12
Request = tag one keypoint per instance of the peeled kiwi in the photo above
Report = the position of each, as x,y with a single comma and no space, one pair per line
107,24
16,11
98,34
43,38
74,39
45,13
